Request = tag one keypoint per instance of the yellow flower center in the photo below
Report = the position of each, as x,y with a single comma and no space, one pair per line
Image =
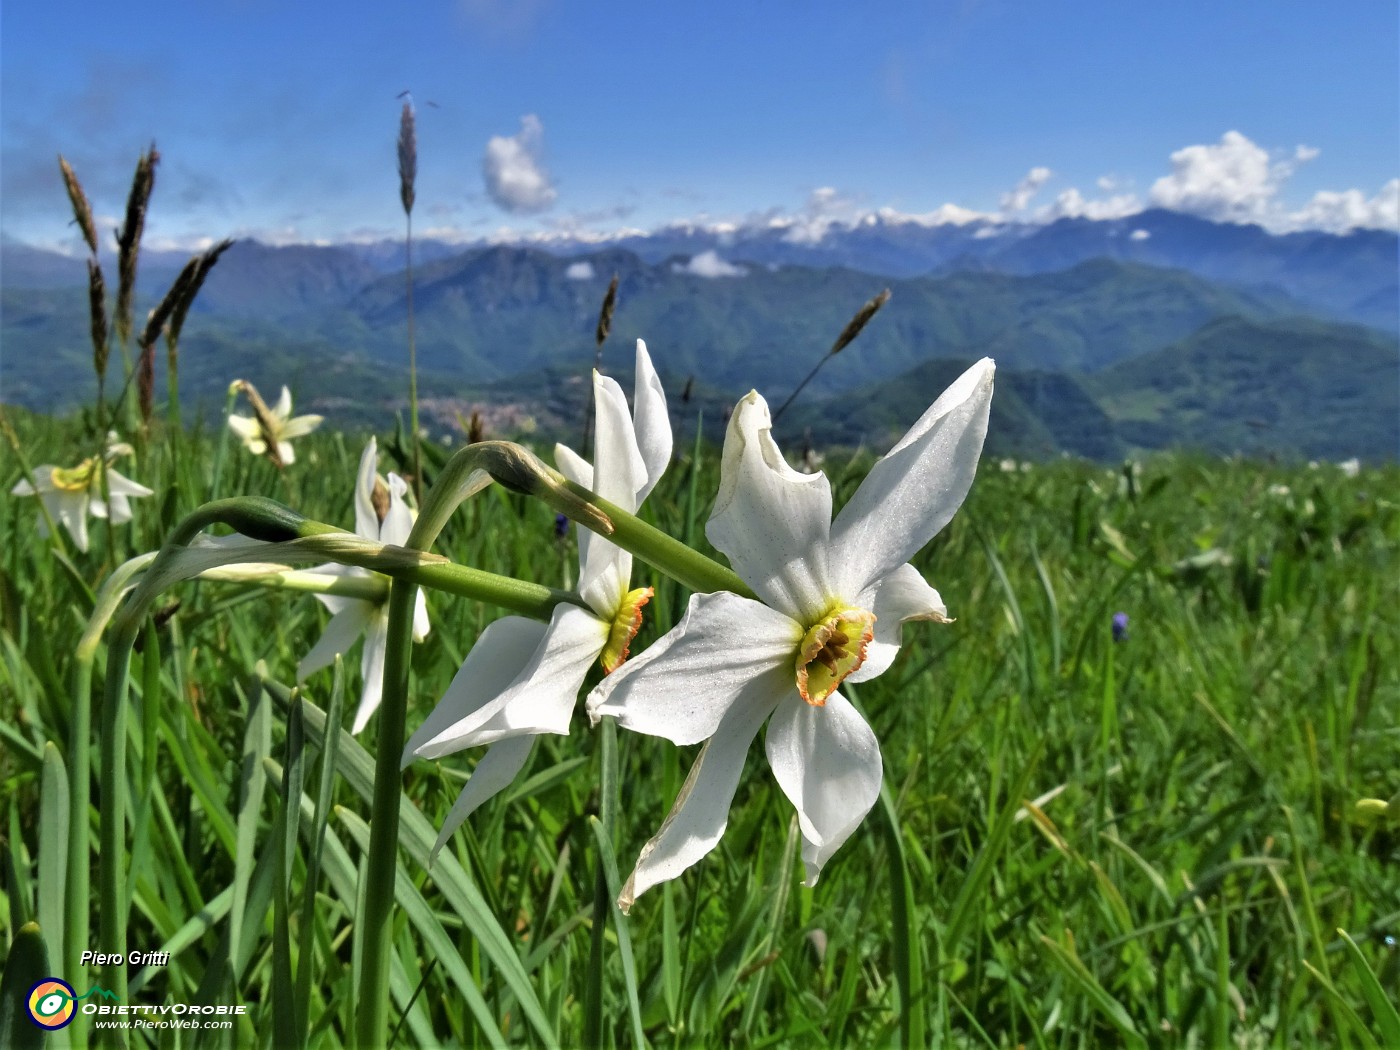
76,479
624,628
830,651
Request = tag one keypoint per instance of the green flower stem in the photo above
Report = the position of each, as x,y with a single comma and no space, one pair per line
465,474
520,470
661,551
595,991
376,923
78,891
112,786
77,888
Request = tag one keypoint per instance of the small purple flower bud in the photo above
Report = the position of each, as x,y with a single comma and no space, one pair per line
1120,627
561,526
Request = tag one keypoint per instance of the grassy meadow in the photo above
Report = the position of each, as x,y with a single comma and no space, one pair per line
1148,842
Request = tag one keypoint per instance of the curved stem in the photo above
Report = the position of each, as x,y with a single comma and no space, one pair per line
112,785
462,478
520,470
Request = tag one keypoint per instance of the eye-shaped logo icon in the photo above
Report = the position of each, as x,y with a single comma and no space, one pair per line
51,1003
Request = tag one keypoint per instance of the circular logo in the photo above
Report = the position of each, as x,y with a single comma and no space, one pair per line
51,1003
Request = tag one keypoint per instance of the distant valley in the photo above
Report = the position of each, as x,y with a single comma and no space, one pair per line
1265,345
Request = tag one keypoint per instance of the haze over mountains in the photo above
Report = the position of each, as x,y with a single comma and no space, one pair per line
1153,330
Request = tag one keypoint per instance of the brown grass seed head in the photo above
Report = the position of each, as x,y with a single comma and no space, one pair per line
82,210
129,237
408,157
605,315
97,316
859,321
203,264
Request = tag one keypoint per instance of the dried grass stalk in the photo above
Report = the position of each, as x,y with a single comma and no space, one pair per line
859,321
82,210
146,381
129,237
202,264
97,318
847,336
605,315
408,157
155,320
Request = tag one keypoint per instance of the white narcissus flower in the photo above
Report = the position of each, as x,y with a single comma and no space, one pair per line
380,515
72,493
522,677
833,596
271,429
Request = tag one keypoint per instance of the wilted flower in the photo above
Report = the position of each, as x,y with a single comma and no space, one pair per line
269,431
833,596
71,493
380,515
1120,626
522,677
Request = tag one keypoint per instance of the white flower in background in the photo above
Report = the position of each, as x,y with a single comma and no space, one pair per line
833,596
269,431
522,677
1350,467
72,493
380,515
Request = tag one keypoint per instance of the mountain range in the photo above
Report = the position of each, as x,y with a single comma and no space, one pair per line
1110,336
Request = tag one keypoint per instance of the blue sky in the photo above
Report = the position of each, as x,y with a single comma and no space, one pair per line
279,119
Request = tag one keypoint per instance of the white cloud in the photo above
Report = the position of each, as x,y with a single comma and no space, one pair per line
1139,235
1017,199
1234,180
1338,212
515,176
1071,204
709,264
943,215
1237,180
580,271
825,207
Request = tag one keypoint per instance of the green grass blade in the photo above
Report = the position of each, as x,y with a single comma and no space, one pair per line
434,936
286,1026
325,791
417,836
1112,1010
624,938
194,928
25,966
1382,1009
1344,1013
53,847
257,743
904,930
967,904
